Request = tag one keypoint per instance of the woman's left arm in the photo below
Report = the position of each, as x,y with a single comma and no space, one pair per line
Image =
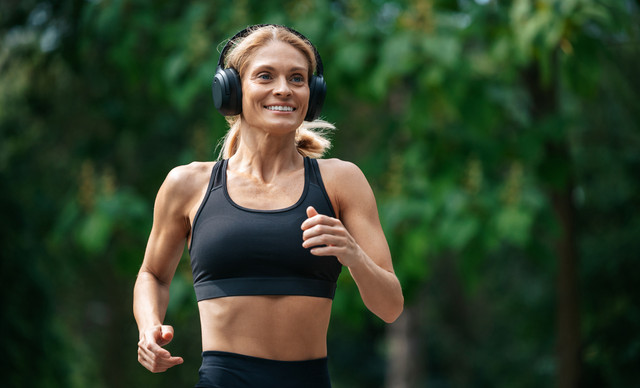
355,238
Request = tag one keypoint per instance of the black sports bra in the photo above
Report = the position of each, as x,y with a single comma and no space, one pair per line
239,251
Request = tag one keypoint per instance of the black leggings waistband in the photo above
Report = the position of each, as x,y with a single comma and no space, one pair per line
232,370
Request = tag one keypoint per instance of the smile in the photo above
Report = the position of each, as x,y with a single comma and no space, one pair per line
281,108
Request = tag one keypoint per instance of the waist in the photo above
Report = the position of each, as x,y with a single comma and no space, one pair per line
216,354
285,328
220,288
224,369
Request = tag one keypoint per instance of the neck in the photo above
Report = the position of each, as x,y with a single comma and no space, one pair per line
265,156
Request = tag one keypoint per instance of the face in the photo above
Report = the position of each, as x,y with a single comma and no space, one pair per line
275,89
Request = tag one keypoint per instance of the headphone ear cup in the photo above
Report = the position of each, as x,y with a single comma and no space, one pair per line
317,93
227,92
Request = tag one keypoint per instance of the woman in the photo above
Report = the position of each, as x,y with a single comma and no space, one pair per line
268,228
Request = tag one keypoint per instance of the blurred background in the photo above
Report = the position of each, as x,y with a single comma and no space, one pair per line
501,138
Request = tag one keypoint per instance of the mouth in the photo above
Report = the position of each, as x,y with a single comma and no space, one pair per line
280,108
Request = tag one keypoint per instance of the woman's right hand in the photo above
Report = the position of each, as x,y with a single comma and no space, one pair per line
150,352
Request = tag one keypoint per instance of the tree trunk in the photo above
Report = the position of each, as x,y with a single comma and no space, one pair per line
403,365
568,316
558,172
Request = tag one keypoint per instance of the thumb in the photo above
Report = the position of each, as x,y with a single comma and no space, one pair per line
311,211
166,334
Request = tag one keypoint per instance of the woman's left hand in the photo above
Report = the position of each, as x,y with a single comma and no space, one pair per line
327,236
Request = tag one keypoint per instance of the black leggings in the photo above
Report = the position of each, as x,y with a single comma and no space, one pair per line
231,370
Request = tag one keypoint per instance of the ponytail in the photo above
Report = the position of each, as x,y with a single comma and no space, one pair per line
312,138
231,140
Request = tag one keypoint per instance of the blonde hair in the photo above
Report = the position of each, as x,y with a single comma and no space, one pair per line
311,137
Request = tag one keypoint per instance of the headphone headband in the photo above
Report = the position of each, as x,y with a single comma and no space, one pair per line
250,29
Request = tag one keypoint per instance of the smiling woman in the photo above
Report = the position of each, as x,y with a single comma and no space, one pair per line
268,228
310,135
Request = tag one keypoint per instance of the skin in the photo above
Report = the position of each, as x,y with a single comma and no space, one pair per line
266,173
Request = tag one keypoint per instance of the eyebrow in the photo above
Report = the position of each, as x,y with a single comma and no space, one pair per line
271,68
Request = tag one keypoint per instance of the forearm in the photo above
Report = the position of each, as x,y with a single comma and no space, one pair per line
380,289
150,300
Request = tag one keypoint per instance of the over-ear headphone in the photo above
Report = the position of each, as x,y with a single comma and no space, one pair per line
227,89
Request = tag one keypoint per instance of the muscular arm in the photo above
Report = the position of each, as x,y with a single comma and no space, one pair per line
356,239
164,249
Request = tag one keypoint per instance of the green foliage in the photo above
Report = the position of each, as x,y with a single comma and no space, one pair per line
455,110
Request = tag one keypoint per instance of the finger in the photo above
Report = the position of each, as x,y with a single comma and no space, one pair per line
313,231
157,361
158,351
149,344
322,231
159,364
311,212
319,219
153,351
323,225
324,240
162,364
166,334
326,251
173,361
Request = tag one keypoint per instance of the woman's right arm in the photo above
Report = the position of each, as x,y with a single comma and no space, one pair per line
164,249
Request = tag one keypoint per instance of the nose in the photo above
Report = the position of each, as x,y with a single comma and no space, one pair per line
281,87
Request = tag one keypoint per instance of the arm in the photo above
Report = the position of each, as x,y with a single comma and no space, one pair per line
356,239
162,255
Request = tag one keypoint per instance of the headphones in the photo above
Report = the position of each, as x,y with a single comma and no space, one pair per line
227,89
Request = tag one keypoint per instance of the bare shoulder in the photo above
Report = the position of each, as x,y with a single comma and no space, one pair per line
184,184
346,184
191,174
337,169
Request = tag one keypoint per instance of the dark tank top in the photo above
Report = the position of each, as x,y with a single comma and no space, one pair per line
239,251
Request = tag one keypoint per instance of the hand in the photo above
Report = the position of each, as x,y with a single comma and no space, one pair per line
150,352
329,237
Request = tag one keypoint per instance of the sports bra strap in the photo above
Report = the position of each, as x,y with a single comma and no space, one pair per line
217,175
313,171
316,178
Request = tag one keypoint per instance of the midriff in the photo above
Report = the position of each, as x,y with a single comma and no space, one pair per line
285,328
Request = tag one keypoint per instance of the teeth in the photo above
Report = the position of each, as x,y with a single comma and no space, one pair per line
280,108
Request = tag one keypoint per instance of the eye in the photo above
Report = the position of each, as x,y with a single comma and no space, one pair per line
297,78
264,76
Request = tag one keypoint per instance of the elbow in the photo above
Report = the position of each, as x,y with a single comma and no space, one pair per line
394,313
147,275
